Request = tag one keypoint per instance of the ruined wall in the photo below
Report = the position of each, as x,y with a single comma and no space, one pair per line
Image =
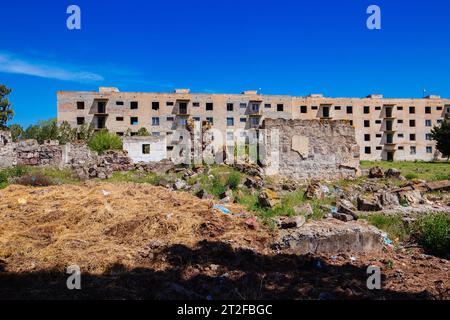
7,155
30,153
319,149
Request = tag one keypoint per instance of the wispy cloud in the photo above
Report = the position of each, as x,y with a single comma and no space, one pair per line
11,63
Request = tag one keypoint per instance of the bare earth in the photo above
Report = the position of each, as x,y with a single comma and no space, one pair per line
137,241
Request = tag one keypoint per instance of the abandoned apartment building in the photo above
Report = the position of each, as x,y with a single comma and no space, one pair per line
385,128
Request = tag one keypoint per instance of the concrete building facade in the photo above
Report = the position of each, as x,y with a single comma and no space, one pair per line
385,128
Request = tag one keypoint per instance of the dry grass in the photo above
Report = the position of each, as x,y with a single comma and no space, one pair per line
57,226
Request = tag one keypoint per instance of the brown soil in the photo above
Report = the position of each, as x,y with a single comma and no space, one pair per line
140,241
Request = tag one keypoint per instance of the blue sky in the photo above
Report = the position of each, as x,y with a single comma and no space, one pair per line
283,47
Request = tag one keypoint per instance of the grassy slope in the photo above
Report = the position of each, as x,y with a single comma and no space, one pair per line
430,171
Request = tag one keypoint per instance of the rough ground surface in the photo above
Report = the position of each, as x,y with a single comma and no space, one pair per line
140,241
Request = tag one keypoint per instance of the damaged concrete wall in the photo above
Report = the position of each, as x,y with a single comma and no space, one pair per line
145,149
319,149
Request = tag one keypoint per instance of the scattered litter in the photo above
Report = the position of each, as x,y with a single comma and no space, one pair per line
169,216
333,258
387,241
353,259
222,208
334,210
106,193
325,189
22,201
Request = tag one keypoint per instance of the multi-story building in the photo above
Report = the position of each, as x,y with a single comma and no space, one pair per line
386,129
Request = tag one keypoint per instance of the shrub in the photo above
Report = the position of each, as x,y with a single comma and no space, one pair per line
432,232
104,140
393,225
17,171
35,180
217,186
411,176
3,177
234,179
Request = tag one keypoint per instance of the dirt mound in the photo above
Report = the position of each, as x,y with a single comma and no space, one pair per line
136,241
97,225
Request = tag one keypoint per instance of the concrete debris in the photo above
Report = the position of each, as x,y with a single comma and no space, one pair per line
305,210
392,173
255,182
368,204
330,237
268,199
290,222
314,191
376,173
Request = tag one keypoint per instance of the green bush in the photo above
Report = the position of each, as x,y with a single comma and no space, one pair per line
3,177
392,225
217,186
234,179
432,232
17,171
104,140
411,176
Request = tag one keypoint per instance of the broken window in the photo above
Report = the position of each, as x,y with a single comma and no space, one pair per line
209,106
314,108
366,110
146,148
155,105
134,120
412,123
280,107
367,150
243,120
412,137
337,107
377,108
196,118
303,109
367,137
349,109
412,150
169,103
210,120
119,118
427,109
133,105
400,108
230,122
243,105
267,106
169,119
119,103
196,104
428,136
412,110
229,107
80,121
366,123
429,149
155,121
80,105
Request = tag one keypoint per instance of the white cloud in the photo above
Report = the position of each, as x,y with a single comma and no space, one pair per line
12,64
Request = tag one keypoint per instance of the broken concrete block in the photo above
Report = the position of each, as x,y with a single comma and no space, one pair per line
180,184
203,194
438,185
290,222
305,210
389,199
268,199
330,236
376,173
314,191
365,204
412,196
392,173
342,216
348,209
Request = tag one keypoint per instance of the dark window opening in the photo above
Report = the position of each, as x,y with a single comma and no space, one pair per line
367,150
80,120
280,107
349,109
155,105
146,149
367,137
366,110
134,120
412,110
366,123
428,110
209,106
169,103
412,123
412,137
303,109
119,118
119,103
80,105
133,105
229,107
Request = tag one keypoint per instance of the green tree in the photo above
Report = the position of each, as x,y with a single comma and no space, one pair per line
44,130
143,132
6,112
16,131
441,134
85,132
104,140
66,133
